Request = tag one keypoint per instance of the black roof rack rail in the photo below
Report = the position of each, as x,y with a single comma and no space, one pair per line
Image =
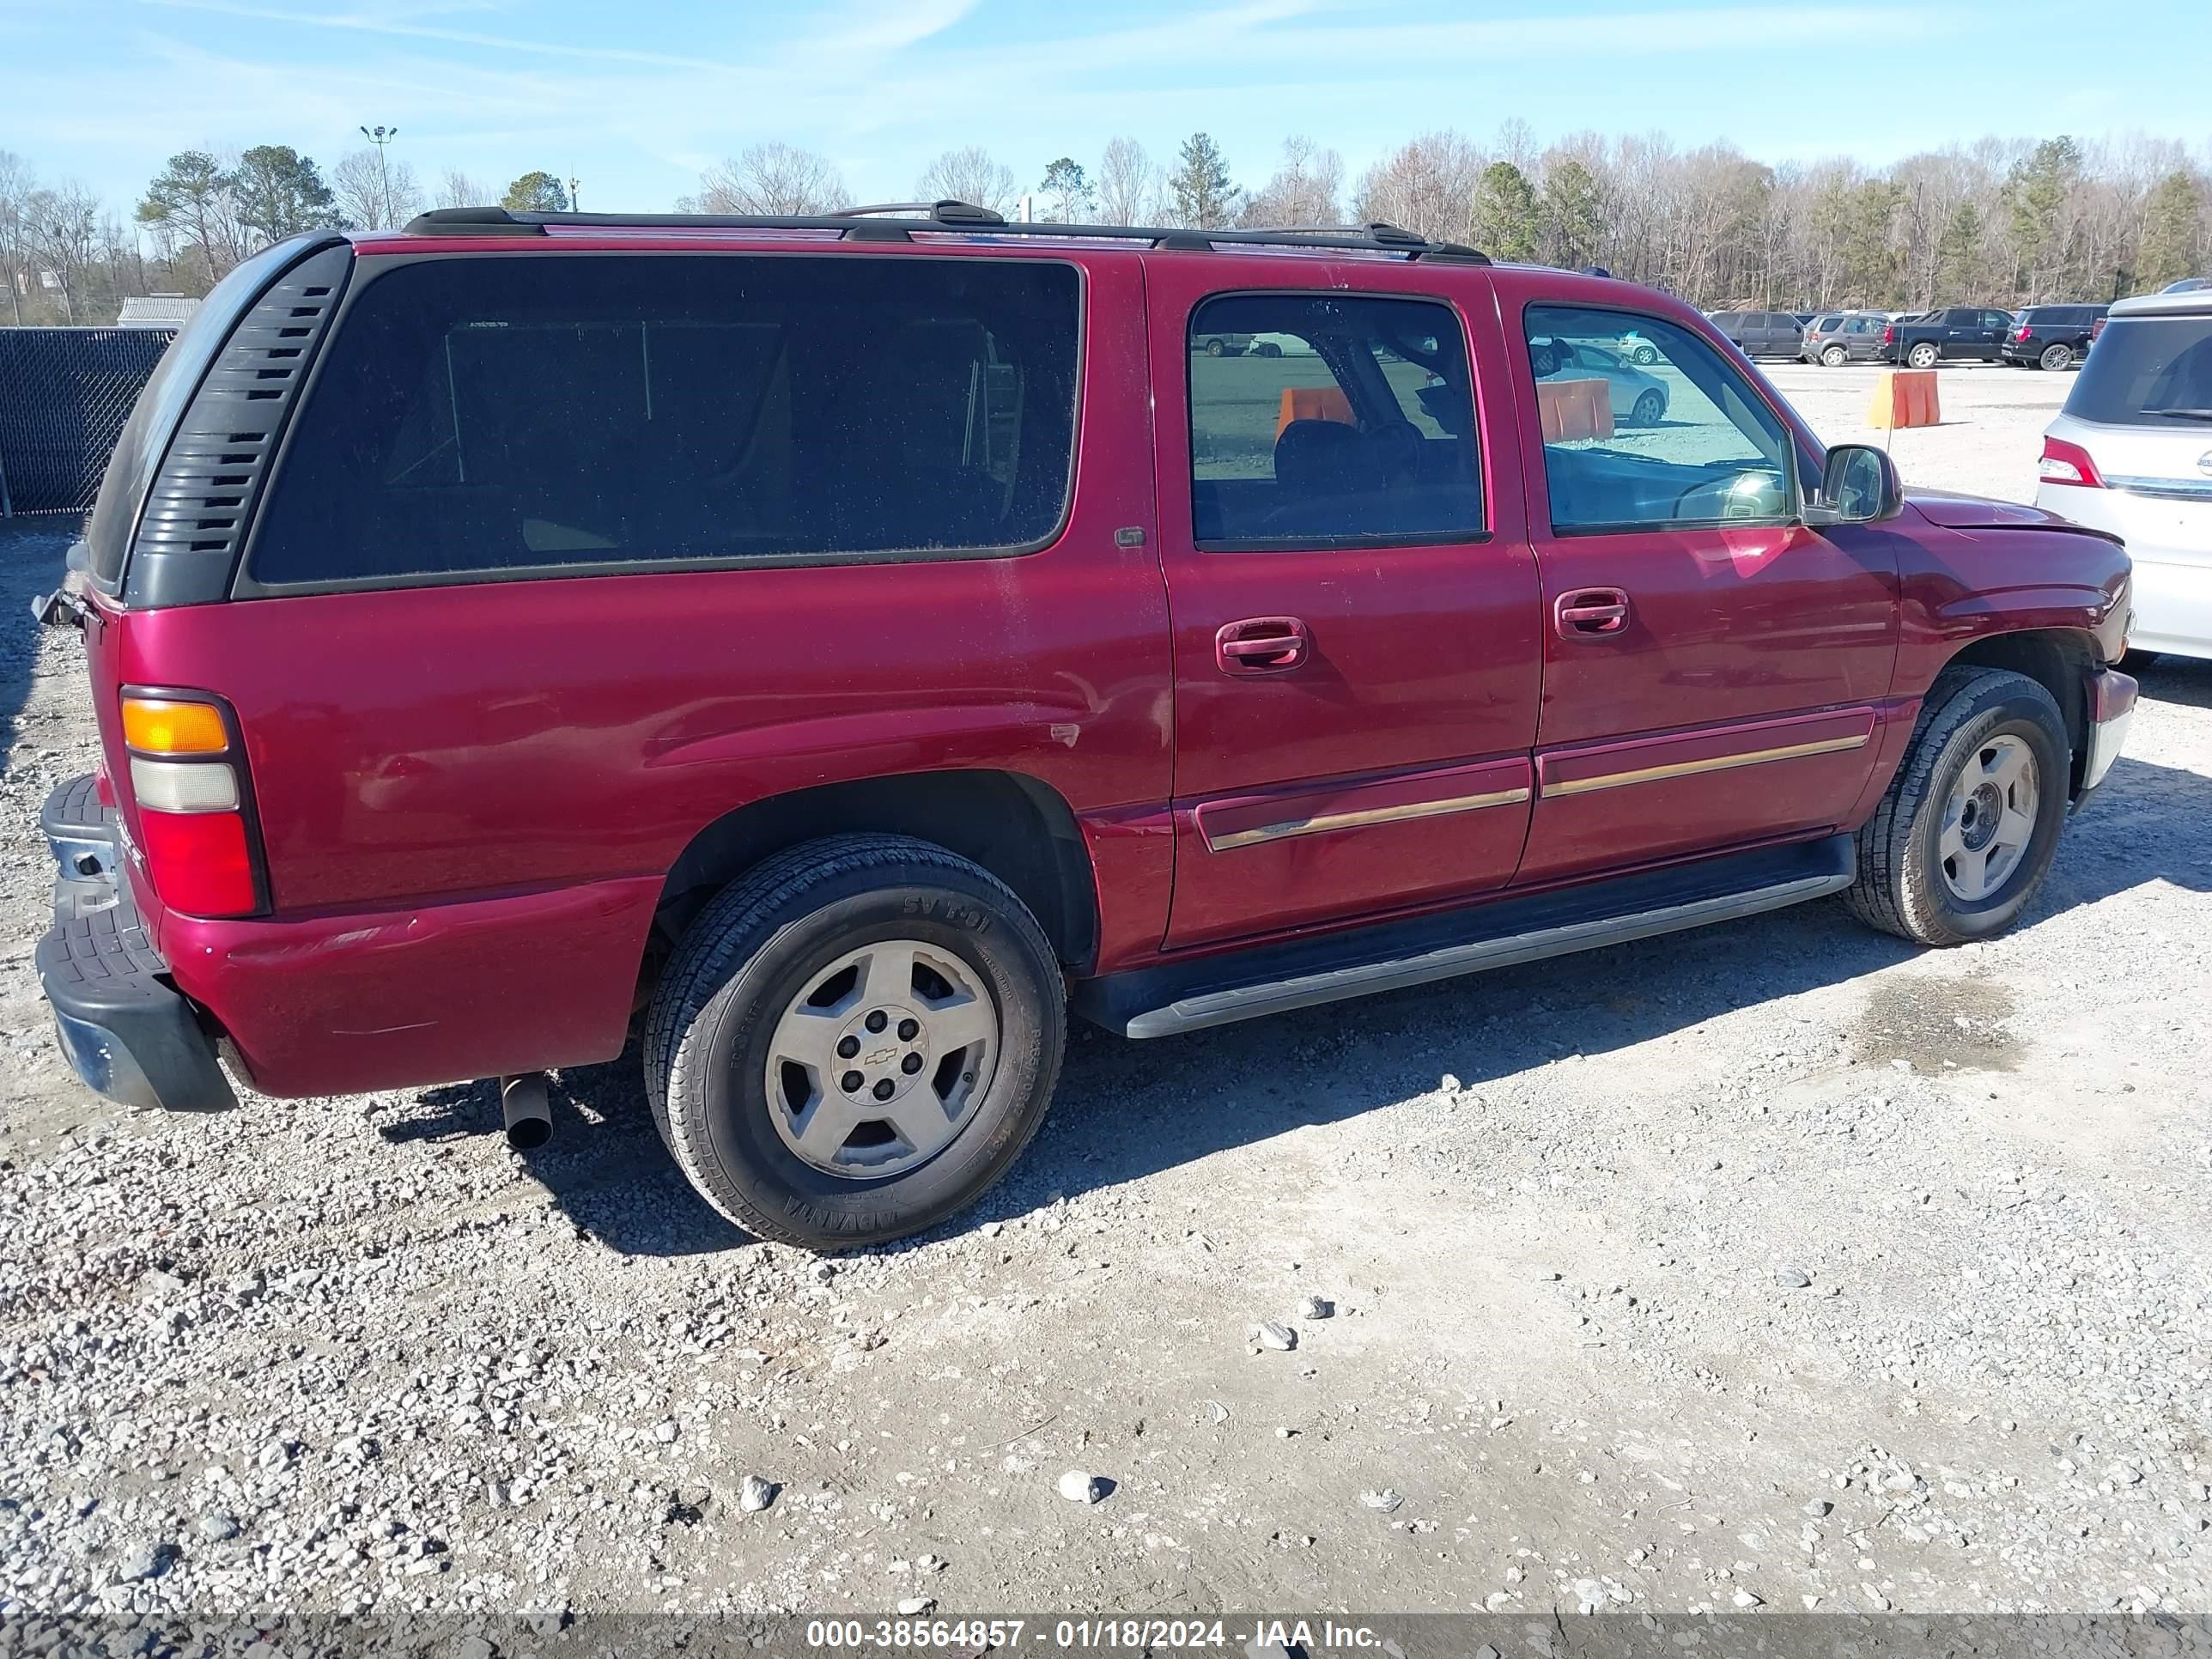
945,210
875,224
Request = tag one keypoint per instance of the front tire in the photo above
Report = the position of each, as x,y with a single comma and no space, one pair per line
1650,409
1923,356
1643,357
854,1040
1968,827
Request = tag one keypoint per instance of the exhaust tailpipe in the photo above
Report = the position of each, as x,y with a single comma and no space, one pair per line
529,1118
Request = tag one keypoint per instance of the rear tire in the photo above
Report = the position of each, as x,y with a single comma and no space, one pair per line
1924,355
1835,357
776,951
1972,723
2055,357
1643,357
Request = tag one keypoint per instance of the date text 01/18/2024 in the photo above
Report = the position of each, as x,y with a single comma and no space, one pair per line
1123,1634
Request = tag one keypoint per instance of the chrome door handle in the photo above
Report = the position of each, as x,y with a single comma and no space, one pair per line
1590,613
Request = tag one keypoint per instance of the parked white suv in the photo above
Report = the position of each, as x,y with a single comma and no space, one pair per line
2131,453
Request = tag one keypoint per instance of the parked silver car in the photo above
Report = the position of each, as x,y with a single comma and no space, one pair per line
1638,398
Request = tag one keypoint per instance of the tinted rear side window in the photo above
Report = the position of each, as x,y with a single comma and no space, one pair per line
517,413
2147,371
1353,424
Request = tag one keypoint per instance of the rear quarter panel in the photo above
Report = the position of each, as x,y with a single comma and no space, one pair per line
469,794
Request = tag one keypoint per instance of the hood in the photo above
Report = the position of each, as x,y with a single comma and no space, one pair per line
1955,511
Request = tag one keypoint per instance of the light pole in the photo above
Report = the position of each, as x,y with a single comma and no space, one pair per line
381,136
575,206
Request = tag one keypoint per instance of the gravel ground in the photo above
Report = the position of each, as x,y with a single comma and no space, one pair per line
1759,1269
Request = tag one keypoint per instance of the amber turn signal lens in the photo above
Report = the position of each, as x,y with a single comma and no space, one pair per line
161,725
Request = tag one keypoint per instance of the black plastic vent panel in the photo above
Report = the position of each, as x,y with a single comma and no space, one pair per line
202,502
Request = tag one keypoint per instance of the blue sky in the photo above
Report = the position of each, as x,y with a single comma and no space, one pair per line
635,97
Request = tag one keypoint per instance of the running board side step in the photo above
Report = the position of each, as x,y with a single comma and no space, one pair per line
1274,979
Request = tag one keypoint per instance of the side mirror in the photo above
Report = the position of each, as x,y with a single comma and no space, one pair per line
1858,485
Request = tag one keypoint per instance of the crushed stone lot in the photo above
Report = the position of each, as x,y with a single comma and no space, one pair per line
1773,1267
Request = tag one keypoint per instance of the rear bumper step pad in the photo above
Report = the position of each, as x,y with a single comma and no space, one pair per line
126,1030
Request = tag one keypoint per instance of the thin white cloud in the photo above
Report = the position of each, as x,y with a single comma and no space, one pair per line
395,26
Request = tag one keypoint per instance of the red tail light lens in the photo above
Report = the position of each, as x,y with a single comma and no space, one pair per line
187,777
2021,332
1889,334
2068,463
2096,329
202,863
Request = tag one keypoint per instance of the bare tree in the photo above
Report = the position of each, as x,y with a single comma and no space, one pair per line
1426,187
371,197
770,177
457,189
17,185
65,225
1516,143
1305,190
968,175
1128,183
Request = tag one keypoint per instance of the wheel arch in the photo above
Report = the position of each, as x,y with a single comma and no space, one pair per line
1020,830
2058,659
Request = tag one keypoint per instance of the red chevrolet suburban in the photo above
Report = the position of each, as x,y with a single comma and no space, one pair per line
836,647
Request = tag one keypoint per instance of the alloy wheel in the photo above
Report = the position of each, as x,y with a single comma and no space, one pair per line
1989,818
880,1062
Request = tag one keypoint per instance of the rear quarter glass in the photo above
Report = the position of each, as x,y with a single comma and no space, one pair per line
486,417
153,422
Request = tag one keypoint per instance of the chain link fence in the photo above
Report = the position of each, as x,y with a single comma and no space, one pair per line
64,394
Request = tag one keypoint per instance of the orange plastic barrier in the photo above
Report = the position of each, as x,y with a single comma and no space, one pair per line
1314,403
1574,409
1906,396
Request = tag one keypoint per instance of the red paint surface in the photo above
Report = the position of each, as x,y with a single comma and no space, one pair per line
1420,657
471,796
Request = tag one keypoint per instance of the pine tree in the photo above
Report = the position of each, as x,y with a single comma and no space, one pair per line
536,192
2035,194
185,201
1507,216
1574,232
1205,198
2174,220
280,193
1958,252
1067,190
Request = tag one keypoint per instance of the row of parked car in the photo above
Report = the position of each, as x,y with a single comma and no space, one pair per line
2039,336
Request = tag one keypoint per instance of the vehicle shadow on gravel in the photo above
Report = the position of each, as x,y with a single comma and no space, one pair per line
1126,1111
32,550
2183,680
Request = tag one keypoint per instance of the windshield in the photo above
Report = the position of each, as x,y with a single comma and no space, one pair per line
2147,371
